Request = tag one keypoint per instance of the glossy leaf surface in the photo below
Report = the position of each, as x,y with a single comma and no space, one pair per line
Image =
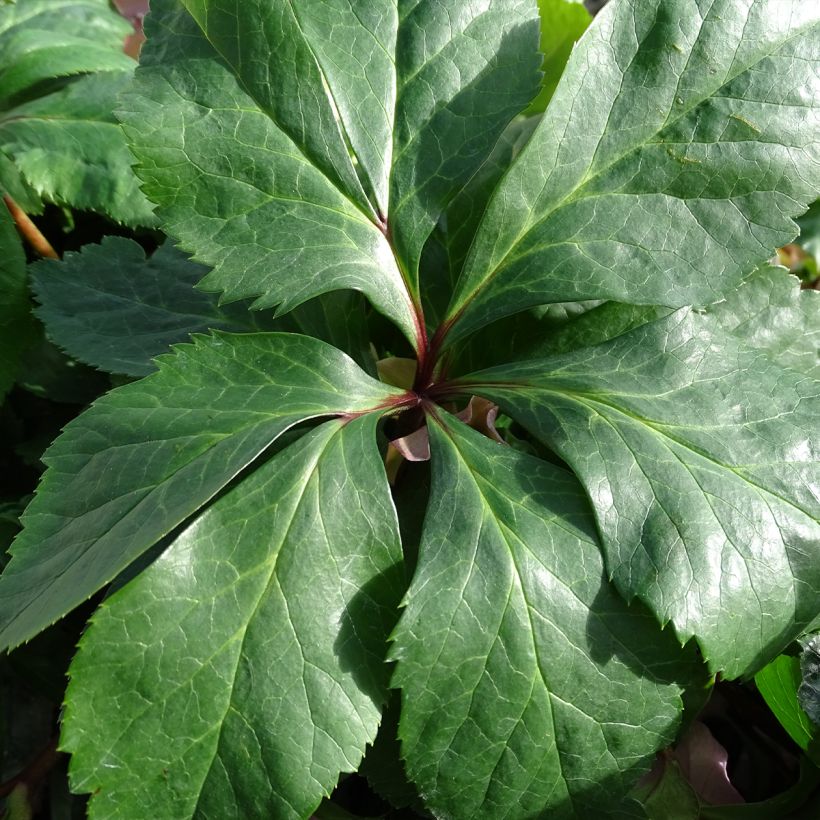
697,453
529,688
279,598
145,456
678,147
770,312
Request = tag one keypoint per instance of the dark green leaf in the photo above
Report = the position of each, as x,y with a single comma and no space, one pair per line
412,97
15,309
112,308
677,149
699,457
147,455
529,688
279,598
464,70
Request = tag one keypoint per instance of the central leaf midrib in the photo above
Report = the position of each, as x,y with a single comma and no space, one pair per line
575,194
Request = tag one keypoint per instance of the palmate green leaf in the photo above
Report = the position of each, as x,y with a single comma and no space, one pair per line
377,114
15,308
149,454
68,149
679,145
111,307
699,457
279,598
529,688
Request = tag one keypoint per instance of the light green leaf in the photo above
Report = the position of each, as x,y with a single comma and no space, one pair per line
94,20
529,688
279,598
562,24
15,308
258,176
111,307
699,457
678,147
778,683
69,149
770,312
149,454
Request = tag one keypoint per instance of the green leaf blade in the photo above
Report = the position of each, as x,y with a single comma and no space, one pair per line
770,312
32,57
464,71
665,195
146,456
698,456
527,686
283,625
111,307
67,148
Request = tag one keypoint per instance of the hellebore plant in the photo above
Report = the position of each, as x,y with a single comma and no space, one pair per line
592,285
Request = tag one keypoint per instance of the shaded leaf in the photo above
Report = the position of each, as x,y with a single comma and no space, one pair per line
147,455
111,307
528,687
279,598
670,162
15,308
697,453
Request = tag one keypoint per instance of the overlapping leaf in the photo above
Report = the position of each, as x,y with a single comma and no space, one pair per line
679,145
371,99
698,455
529,688
111,307
147,455
67,148
279,598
